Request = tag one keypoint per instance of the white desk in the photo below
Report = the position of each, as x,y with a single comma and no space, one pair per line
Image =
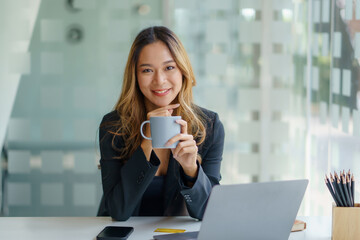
77,228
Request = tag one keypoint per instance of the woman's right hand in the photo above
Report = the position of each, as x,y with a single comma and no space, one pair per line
159,112
163,111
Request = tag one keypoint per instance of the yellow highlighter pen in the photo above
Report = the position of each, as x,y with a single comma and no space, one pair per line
169,230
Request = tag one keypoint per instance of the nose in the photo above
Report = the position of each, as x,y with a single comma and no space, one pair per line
159,77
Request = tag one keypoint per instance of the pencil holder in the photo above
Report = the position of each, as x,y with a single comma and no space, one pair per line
346,222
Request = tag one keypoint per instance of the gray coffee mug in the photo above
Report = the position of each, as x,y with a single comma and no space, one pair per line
162,130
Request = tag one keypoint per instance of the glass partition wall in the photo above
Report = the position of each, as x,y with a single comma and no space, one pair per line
282,74
70,75
251,63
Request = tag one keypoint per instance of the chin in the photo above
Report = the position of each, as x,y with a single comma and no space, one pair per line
160,105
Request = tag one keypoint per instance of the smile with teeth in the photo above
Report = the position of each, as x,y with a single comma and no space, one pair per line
161,91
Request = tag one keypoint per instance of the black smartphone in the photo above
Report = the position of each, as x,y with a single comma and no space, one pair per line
115,233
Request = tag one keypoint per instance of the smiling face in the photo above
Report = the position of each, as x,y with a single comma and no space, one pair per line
158,75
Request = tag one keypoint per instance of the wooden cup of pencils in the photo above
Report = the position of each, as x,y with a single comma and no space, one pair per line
346,222
345,212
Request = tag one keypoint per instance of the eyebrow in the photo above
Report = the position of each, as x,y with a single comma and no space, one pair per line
149,65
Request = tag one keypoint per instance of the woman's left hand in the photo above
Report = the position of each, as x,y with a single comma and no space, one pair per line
186,150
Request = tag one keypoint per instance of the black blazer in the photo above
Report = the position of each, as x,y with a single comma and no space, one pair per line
125,184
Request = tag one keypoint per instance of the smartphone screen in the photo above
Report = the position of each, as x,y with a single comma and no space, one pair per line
115,233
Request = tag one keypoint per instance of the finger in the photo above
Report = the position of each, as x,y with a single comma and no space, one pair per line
163,111
183,125
179,137
187,150
182,145
168,107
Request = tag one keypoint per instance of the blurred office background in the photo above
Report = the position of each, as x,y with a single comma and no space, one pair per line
282,74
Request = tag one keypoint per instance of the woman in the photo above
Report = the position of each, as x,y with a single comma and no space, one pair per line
141,181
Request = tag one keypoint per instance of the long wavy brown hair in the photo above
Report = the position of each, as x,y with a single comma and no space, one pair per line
131,106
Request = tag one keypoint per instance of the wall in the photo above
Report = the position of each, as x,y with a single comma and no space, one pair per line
73,76
283,76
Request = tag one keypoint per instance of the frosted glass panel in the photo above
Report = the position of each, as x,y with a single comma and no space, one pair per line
281,164
249,132
119,31
123,4
281,65
316,13
315,79
19,162
52,97
315,44
280,100
357,44
85,162
345,115
282,4
19,194
218,5
325,44
335,111
85,97
84,194
52,194
255,4
52,63
337,44
280,32
323,112
66,59
346,82
336,80
85,129
19,129
348,9
325,11
216,64
279,132
219,102
85,4
305,77
247,36
52,161
52,129
335,155
249,162
217,31
114,60
356,121
249,99
52,30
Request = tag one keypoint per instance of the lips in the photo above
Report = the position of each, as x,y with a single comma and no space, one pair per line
161,92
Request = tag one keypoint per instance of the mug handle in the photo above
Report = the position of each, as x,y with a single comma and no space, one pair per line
141,130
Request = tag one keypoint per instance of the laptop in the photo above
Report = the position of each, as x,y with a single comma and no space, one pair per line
248,211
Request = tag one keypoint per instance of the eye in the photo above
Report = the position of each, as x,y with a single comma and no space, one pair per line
170,67
146,70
